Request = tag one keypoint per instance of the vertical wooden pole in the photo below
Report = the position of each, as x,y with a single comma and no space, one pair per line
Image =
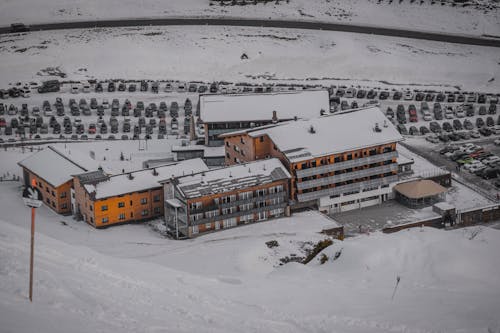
32,251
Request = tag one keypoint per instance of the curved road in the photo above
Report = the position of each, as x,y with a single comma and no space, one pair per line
268,23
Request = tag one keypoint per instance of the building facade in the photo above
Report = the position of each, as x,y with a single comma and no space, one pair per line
332,166
226,197
102,200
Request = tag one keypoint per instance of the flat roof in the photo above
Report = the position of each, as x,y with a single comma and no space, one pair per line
143,179
419,189
232,178
255,107
53,166
207,151
330,134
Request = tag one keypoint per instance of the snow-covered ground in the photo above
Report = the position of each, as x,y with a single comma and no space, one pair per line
130,279
213,54
482,17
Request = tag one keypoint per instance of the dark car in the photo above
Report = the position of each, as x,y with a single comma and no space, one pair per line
457,125
122,87
485,131
440,97
454,136
371,94
402,129
111,87
361,93
481,99
424,130
490,122
460,98
447,127
429,97
482,110
419,96
469,110
132,87
468,124
479,122
414,130
18,27
444,137
397,95
383,95
103,129
492,109
144,86
435,127
98,88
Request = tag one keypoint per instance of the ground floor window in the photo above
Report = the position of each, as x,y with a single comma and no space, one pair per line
195,229
228,223
246,218
262,216
105,220
121,216
277,212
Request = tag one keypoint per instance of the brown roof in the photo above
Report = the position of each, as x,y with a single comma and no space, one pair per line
419,189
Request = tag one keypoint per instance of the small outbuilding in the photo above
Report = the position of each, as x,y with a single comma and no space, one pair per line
419,193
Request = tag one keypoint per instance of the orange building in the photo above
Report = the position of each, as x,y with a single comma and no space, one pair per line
52,171
338,162
103,200
227,197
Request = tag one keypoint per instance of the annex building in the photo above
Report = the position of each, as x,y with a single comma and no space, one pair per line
226,197
53,170
337,162
230,112
102,200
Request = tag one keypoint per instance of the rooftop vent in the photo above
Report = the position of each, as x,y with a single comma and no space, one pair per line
275,117
130,176
377,128
312,130
155,173
385,124
230,174
322,112
295,118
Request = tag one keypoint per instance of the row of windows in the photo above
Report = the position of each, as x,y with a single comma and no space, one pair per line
343,171
122,216
197,205
121,204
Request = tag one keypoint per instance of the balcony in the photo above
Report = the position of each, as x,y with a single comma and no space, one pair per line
346,165
347,176
269,196
346,188
238,213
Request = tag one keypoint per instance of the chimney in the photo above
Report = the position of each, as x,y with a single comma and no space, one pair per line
377,128
322,112
230,174
295,118
155,173
312,130
275,117
123,170
130,176
385,123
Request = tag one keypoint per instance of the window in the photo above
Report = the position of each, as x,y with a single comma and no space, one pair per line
246,207
276,212
195,229
121,204
53,194
156,198
105,220
235,147
196,217
228,223
242,141
260,192
121,217
195,205
144,212
276,189
227,155
91,208
47,200
227,143
144,201
64,206
349,157
130,202
157,210
228,210
242,152
40,185
63,195
208,225
245,195
104,208
211,213
373,152
246,218
261,139
53,204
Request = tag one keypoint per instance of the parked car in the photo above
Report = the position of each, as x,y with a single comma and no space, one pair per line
457,125
402,129
424,130
435,127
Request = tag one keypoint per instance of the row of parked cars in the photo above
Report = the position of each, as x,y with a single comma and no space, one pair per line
419,96
474,159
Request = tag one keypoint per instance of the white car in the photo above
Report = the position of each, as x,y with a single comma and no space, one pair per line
490,160
86,88
460,112
497,142
427,117
75,89
408,96
350,93
472,164
181,87
476,167
105,103
474,134
372,103
432,138
48,113
448,114
169,87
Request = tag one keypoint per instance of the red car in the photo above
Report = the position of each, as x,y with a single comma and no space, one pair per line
2,122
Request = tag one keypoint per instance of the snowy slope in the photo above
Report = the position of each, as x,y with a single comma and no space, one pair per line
213,54
129,279
420,15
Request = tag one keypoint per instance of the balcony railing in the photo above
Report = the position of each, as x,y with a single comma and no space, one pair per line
282,194
346,165
346,188
238,213
347,176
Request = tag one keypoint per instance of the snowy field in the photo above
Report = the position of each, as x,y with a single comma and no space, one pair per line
130,279
213,54
482,17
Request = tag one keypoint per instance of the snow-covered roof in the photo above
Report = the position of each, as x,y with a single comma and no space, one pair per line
232,178
255,107
334,133
402,159
55,167
143,179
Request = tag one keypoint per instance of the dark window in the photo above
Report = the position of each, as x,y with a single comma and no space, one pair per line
121,216
349,157
242,141
130,202
63,195
373,152
156,210
338,159
227,143
156,198
105,220
261,139
121,204
144,201
104,208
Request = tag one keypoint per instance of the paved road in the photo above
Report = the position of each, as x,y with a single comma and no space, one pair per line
268,23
